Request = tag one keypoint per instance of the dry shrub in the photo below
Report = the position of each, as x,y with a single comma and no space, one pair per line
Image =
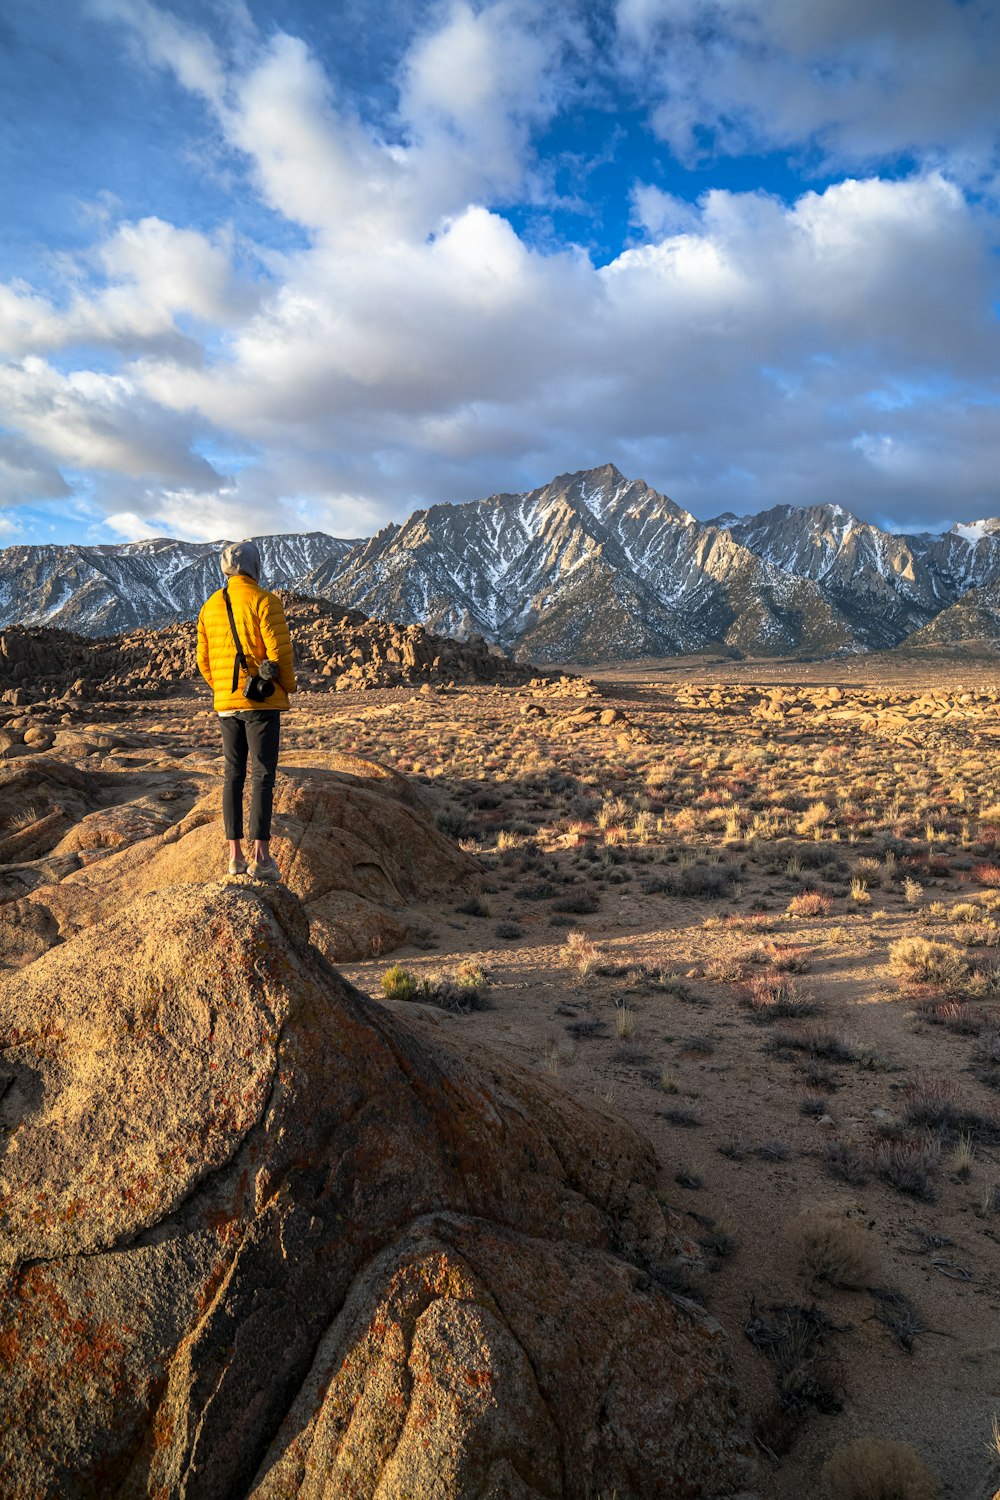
835,1250
613,811
813,818
956,1016
987,874
398,983
875,1469
787,958
907,1166
985,934
988,1050
730,969
772,997
934,963
809,904
580,953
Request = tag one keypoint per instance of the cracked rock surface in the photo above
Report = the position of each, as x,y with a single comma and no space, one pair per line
263,1237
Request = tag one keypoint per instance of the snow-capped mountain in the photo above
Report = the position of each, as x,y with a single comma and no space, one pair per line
108,589
886,585
591,567
878,581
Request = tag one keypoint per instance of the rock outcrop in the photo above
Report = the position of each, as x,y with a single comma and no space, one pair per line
260,1237
334,647
354,841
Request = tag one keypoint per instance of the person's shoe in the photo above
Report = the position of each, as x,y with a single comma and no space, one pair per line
268,872
237,867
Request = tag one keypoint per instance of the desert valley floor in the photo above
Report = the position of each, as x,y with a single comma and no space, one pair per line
751,909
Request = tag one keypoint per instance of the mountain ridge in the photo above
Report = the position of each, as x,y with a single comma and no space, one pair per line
591,566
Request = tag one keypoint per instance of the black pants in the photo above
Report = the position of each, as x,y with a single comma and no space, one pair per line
255,731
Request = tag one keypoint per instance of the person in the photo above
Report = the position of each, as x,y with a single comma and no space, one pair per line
243,634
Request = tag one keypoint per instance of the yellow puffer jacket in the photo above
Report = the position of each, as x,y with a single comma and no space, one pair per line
263,631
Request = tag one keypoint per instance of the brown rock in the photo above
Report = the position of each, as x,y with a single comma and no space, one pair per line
352,838
261,1238
40,800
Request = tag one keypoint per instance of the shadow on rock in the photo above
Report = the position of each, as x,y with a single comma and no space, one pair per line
263,1237
354,841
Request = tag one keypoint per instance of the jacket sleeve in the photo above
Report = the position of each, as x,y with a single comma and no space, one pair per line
277,641
204,661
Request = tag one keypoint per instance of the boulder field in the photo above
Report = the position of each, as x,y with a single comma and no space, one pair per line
336,648
260,1236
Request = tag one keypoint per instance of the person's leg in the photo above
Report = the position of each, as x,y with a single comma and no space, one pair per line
263,731
234,747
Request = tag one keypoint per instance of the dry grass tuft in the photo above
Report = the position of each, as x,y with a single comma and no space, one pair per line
834,1250
624,1023
580,953
932,963
773,997
810,904
963,1158
875,1469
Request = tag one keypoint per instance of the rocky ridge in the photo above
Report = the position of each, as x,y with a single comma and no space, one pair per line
110,590
590,567
970,627
333,646
889,587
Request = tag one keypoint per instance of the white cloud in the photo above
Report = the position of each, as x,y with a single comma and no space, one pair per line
91,420
417,348
863,79
26,474
149,275
474,89
167,42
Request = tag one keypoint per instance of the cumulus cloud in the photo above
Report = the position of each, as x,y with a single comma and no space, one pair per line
133,291
90,420
860,79
27,474
165,41
415,347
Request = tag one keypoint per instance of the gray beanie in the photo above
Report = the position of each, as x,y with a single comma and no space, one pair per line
241,557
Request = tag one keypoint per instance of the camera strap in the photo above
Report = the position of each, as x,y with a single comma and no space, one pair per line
241,661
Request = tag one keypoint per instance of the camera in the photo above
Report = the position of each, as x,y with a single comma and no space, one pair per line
261,685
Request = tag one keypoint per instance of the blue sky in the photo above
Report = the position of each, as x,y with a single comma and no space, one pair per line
275,266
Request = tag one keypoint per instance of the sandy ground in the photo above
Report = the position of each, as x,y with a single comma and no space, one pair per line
660,1010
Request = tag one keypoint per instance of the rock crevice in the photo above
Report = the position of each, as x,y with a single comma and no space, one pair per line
322,1252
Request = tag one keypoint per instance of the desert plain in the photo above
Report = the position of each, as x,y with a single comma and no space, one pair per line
749,911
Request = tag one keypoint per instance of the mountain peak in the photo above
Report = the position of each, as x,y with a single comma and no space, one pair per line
974,531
